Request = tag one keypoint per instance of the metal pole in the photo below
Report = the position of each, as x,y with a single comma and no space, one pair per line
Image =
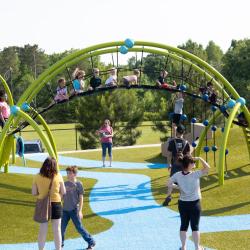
76,138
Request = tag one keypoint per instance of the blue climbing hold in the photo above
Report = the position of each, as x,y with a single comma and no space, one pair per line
183,117
222,130
193,120
183,87
226,152
231,103
206,122
194,144
241,100
223,108
123,49
129,42
213,108
205,97
14,110
213,128
206,149
25,107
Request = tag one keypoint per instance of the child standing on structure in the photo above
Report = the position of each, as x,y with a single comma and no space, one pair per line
72,207
4,108
178,111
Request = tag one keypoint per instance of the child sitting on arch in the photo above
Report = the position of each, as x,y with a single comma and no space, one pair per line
95,81
210,91
61,91
112,80
161,81
78,83
131,79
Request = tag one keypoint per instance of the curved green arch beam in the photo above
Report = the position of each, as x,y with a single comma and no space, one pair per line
41,134
7,90
224,142
11,102
180,55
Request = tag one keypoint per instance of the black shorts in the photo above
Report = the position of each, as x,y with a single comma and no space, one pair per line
56,210
176,118
190,212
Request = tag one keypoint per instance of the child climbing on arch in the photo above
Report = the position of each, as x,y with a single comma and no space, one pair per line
95,81
78,83
112,80
210,91
178,111
161,81
4,108
131,79
61,91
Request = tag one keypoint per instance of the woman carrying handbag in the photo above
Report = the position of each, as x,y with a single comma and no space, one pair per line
49,187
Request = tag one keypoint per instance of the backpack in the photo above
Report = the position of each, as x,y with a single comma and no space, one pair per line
179,151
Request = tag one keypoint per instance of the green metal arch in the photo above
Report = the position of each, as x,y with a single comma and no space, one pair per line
41,134
178,54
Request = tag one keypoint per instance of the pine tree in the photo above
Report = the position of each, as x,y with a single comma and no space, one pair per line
122,108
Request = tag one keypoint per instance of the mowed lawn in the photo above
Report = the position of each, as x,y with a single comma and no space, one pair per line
67,138
230,199
17,208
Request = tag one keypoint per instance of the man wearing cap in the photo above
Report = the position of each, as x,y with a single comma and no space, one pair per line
176,147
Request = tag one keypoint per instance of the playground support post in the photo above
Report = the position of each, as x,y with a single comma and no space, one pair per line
223,143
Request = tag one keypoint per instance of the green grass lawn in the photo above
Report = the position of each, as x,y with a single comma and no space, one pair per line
230,199
17,207
65,135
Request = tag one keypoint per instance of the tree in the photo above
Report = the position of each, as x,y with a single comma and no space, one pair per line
9,65
214,55
236,66
194,48
121,107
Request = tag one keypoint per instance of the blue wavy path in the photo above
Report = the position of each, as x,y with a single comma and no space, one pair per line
139,222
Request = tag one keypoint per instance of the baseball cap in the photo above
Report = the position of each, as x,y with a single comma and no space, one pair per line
180,129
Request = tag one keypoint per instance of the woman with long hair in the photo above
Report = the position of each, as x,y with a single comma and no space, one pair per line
49,175
188,182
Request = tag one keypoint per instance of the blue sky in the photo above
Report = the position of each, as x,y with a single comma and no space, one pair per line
58,25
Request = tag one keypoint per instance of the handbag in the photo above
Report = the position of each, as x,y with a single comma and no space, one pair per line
42,212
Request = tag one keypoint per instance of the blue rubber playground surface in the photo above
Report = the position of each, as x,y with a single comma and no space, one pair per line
139,222
65,160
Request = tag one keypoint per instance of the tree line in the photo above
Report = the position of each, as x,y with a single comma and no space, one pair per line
126,109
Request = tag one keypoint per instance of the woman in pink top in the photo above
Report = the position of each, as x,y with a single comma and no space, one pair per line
106,134
4,108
